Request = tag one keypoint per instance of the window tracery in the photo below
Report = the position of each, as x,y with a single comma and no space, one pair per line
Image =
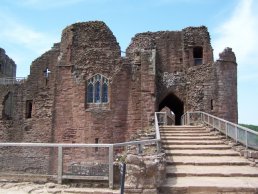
97,89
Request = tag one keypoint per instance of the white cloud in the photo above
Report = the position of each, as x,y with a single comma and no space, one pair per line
14,32
240,33
22,43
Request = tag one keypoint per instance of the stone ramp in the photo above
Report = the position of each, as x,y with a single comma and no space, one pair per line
199,162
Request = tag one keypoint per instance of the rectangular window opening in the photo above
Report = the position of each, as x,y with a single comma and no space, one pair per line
198,55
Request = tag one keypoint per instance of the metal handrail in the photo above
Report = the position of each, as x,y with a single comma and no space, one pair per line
110,147
186,119
157,127
12,80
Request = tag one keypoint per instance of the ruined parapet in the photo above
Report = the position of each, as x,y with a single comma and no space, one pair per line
197,46
139,43
226,86
227,55
7,65
89,48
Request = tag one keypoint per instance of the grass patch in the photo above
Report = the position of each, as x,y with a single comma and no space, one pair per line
253,127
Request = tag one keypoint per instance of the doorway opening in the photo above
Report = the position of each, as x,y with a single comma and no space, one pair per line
175,105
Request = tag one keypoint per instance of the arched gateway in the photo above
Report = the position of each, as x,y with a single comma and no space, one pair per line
175,105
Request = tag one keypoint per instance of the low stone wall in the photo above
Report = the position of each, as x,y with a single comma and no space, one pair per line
144,173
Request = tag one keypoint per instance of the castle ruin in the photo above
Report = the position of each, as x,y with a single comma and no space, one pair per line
83,91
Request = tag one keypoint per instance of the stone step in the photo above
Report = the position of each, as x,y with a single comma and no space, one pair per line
211,185
196,147
192,142
201,153
173,134
183,129
185,132
189,138
207,160
198,161
218,171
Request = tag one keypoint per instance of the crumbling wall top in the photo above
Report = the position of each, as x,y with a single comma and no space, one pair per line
92,34
7,65
196,36
227,55
89,48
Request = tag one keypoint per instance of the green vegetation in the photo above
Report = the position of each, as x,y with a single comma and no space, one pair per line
253,127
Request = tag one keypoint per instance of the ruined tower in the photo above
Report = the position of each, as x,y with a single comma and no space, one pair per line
7,65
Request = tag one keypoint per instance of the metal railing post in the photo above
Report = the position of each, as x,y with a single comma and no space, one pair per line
122,177
188,118
111,170
236,131
60,165
246,142
158,147
226,130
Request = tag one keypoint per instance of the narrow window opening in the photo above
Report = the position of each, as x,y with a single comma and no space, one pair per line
211,104
198,55
28,109
96,142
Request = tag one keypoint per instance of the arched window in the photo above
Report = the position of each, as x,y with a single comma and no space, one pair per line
97,89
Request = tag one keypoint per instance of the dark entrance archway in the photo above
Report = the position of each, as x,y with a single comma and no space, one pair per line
175,105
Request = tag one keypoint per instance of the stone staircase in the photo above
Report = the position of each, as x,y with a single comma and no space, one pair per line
199,162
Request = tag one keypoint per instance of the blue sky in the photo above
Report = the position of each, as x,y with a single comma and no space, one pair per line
30,27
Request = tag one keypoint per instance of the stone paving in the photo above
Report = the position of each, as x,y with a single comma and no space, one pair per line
49,188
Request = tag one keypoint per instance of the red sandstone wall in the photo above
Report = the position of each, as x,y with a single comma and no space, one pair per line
88,49
226,86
